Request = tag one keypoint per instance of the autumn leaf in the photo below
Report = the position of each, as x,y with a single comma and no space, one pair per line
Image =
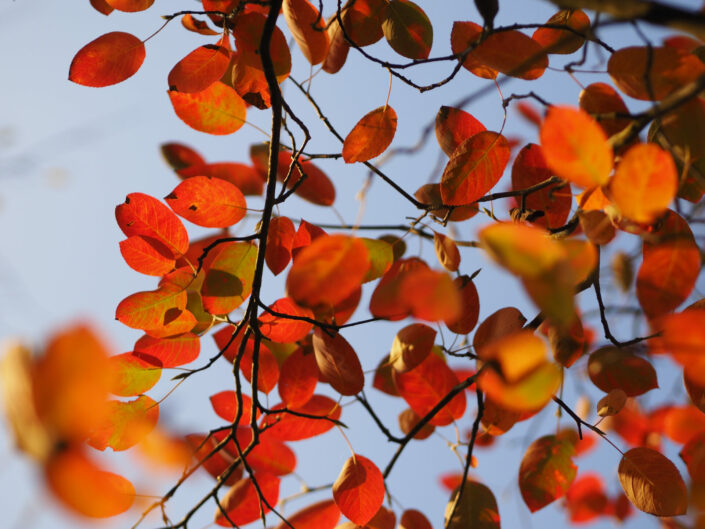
306,26
338,362
407,29
216,110
477,507
613,368
108,60
242,501
199,69
359,489
546,471
371,135
208,202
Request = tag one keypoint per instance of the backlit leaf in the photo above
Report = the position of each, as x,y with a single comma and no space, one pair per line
86,489
670,267
601,98
132,375
362,20
586,498
102,7
371,136
560,40
431,194
413,519
381,255
208,202
407,29
216,464
284,330
144,215
469,306
242,501
242,176
108,60
338,48
269,455
408,419
474,168
575,147
147,256
453,126
307,28
327,271
228,280
168,352
613,368
322,515
338,362
216,110
225,405
476,508
612,403
501,323
280,240
426,385
463,36
130,6
652,483
267,367
197,26
695,387
199,69
298,378
446,251
126,425
411,346
289,427
555,201
180,156
683,423
359,489
151,310
644,183
546,471
652,73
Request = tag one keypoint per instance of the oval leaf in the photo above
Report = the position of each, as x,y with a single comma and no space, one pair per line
108,60
371,136
216,110
359,489
338,362
208,202
546,471
407,29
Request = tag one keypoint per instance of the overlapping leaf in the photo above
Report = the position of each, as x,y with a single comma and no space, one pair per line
216,110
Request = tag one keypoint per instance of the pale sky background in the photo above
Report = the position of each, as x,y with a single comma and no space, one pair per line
69,154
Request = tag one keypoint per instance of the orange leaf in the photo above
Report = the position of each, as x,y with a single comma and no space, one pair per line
151,310
431,194
269,455
501,323
413,519
337,49
652,73
546,471
694,386
168,352
560,40
613,368
429,295
306,26
408,419
363,21
268,368
371,136
469,306
407,29
669,269
242,176
282,329
411,346
225,405
216,110
208,202
652,483
322,515
85,488
612,403
683,423
446,251
474,168
298,378
426,385
147,256
586,498
242,501
280,240
555,201
463,36
338,362
601,98
126,425
477,507
108,60
216,464
144,215
644,183
327,271
199,69
130,6
575,147
288,427
229,275
180,156
131,375
197,26
102,7
359,489
453,126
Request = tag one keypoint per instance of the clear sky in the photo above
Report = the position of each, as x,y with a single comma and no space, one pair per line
69,154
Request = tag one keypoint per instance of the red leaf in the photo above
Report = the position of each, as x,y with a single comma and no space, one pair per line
601,98
147,256
268,455
208,202
327,271
586,498
225,406
474,168
363,20
306,26
216,464
446,251
298,378
242,501
280,240
199,69
126,424
454,126
268,368
197,26
229,274
151,310
289,427
180,156
411,346
282,329
546,471
102,6
338,362
614,368
242,176
108,60
560,40
216,110
408,30
144,215
413,519
359,489
130,6
426,385
131,375
322,515
371,136
168,352
469,306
